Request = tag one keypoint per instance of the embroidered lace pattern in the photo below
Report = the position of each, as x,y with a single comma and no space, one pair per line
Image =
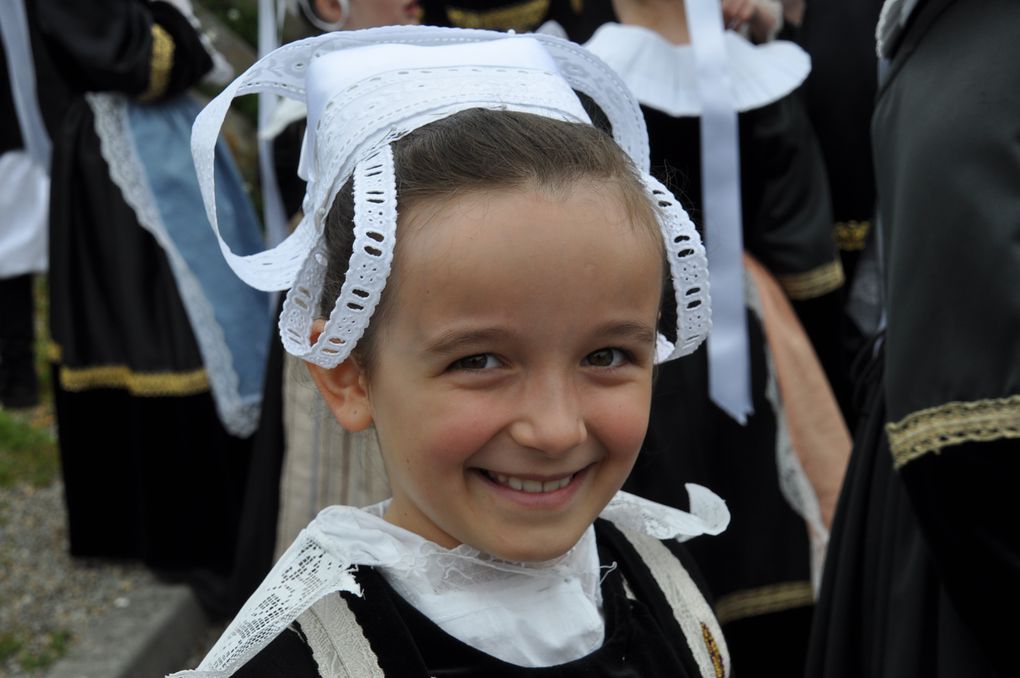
116,145
283,72
362,118
690,609
302,576
688,269
932,429
375,225
814,283
160,65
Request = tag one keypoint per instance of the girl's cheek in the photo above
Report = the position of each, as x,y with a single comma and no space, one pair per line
623,422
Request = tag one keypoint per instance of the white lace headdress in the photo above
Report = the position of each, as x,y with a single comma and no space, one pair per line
366,89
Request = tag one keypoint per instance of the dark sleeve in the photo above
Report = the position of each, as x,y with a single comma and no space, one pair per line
287,656
788,224
949,196
141,49
787,210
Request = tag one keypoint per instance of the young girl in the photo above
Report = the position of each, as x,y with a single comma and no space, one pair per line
507,368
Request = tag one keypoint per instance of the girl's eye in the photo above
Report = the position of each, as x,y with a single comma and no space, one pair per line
606,357
481,361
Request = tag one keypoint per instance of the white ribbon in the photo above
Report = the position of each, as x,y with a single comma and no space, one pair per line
21,70
729,365
272,205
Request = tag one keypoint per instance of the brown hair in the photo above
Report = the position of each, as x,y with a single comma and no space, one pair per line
481,149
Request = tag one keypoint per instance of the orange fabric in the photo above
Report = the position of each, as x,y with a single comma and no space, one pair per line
817,431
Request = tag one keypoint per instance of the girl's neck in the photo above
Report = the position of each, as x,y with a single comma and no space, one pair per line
665,17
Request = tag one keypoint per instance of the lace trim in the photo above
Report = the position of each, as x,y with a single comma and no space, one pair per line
520,17
851,236
145,384
161,64
239,417
690,609
763,600
338,644
813,283
934,428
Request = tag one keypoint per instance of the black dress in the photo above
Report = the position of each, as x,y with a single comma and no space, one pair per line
642,636
923,575
149,470
759,569
839,95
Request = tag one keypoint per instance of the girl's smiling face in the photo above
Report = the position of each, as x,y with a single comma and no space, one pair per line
511,376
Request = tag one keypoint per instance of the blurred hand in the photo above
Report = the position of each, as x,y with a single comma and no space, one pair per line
761,18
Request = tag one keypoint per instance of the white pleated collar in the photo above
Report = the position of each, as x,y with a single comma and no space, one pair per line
552,610
663,76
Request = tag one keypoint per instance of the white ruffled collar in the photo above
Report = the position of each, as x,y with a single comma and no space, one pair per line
663,75
472,596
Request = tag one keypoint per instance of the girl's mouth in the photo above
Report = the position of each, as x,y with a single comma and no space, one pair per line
531,486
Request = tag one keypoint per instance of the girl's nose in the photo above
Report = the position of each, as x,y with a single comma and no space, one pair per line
551,420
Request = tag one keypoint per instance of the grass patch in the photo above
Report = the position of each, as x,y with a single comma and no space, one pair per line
28,451
27,454
52,649
10,645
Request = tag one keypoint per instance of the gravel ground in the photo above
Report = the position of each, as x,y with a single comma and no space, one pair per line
48,600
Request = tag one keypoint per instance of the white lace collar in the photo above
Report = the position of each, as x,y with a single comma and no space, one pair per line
663,76
474,597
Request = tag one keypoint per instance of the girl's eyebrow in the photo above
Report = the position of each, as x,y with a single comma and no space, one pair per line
454,341
627,329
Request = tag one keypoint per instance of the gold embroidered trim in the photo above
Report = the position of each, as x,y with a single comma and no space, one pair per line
763,600
713,652
851,236
53,352
934,428
524,16
144,384
813,283
160,65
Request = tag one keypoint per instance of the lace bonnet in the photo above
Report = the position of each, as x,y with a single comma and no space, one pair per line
366,89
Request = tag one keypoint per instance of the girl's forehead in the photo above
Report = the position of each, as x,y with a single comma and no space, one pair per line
522,244
525,218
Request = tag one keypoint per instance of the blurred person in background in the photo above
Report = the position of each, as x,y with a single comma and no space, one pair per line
780,461
923,571
158,355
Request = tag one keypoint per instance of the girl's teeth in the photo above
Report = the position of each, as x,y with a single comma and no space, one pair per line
530,486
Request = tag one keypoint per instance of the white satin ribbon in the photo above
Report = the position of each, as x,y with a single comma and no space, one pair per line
272,204
729,365
21,69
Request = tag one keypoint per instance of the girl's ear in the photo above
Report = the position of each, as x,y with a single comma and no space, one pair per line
344,388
